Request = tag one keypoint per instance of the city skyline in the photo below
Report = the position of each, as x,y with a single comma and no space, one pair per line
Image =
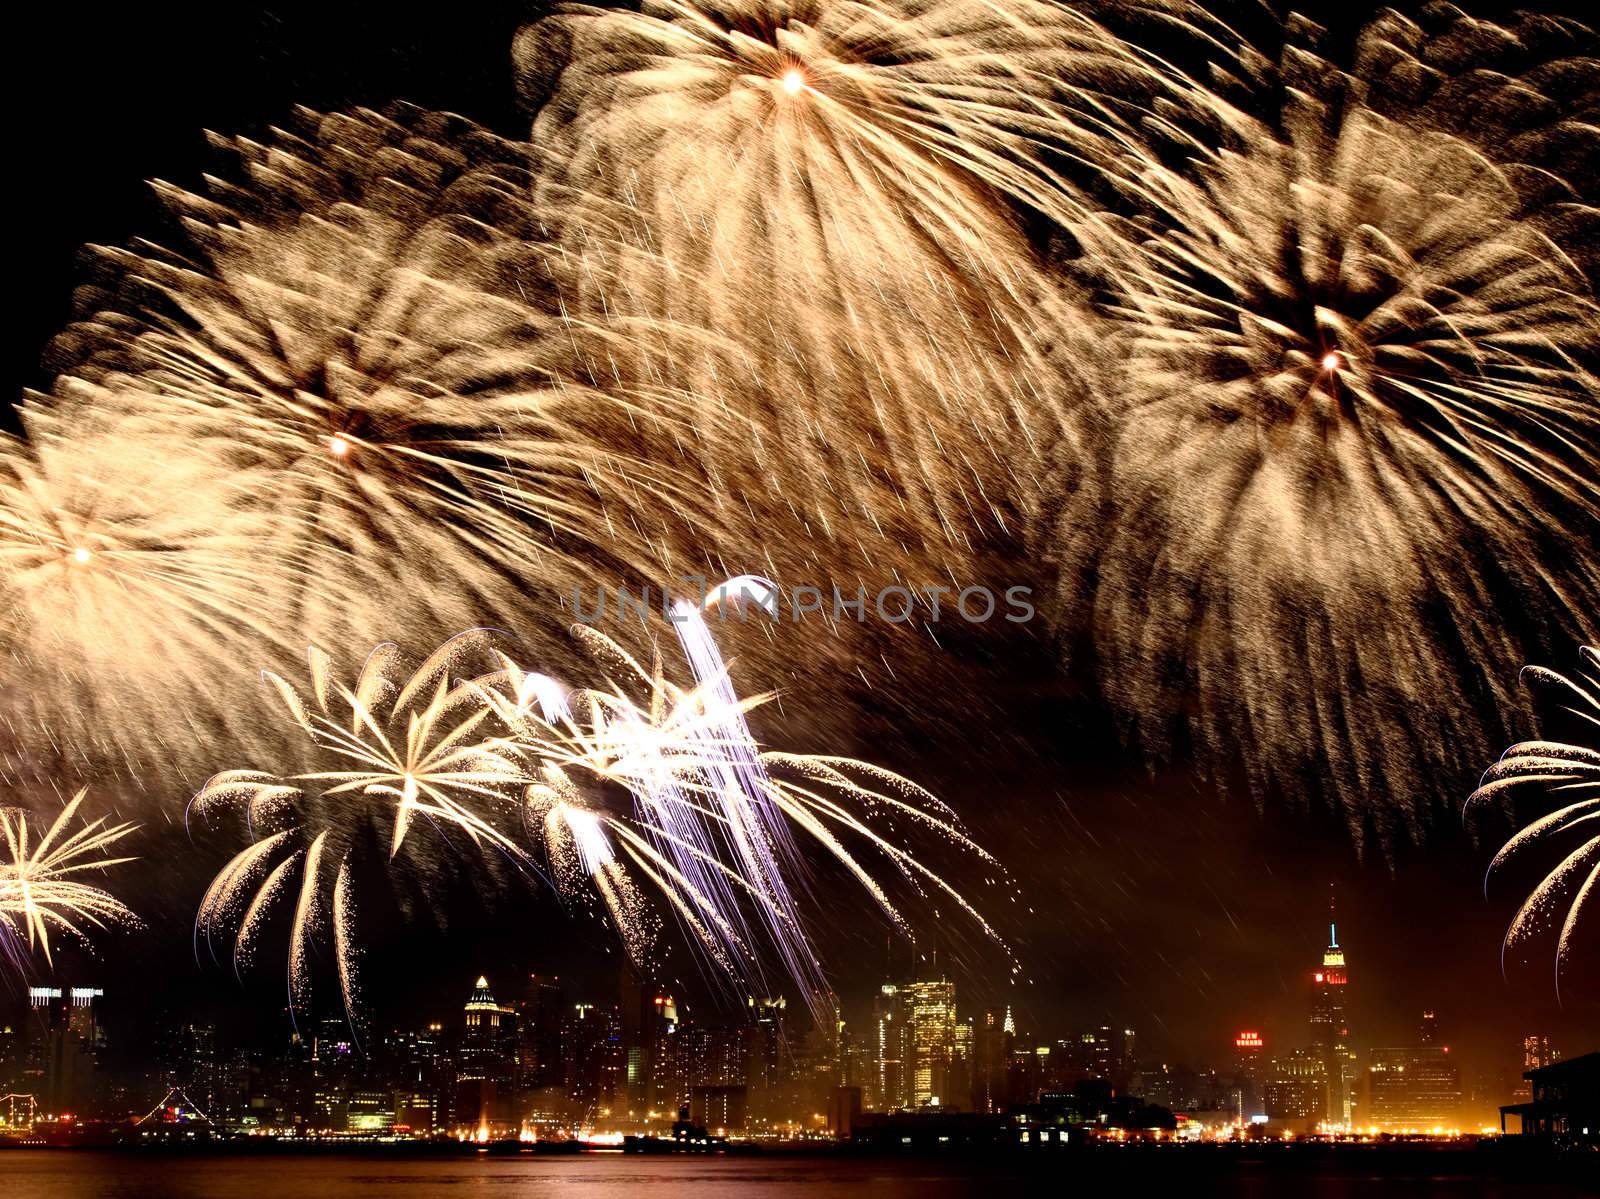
562,1056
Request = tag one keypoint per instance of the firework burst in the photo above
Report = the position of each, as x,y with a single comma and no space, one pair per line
1358,420
667,782
833,192
354,375
392,748
1568,774
633,786
38,890
130,574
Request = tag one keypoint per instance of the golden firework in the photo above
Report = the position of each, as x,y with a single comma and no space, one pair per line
1357,420
38,888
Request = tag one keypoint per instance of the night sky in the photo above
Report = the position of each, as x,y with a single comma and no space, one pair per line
1151,898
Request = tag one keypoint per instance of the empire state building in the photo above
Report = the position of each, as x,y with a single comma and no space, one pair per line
1330,1026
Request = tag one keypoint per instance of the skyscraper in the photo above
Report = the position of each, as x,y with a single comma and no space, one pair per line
891,1090
594,1058
768,1041
423,1075
991,1037
930,1008
539,1015
649,1020
1414,1087
1248,1053
64,1046
1330,1026
1537,1053
486,1098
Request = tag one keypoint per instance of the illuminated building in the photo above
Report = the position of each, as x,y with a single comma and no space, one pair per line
1025,1067
764,1064
661,1026
187,1056
593,1058
891,1090
962,1061
539,1013
1537,1053
370,1111
1178,1088
423,1075
1295,1092
11,1058
930,1009
1105,1053
719,1110
713,1057
649,1023
991,1037
486,1092
772,1100
1330,1027
814,1069
1416,1087
1249,1048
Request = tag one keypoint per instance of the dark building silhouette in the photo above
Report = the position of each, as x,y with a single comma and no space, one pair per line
64,1047
539,1013
593,1058
1565,1103
720,1110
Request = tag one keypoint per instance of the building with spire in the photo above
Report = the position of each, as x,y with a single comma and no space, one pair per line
486,1068
1330,1026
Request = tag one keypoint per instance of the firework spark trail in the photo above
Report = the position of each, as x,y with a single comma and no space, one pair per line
393,747
1568,774
1357,420
37,892
710,817
669,758
759,835
772,292
13,953
368,353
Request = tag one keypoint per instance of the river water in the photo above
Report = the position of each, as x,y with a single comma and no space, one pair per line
47,1174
